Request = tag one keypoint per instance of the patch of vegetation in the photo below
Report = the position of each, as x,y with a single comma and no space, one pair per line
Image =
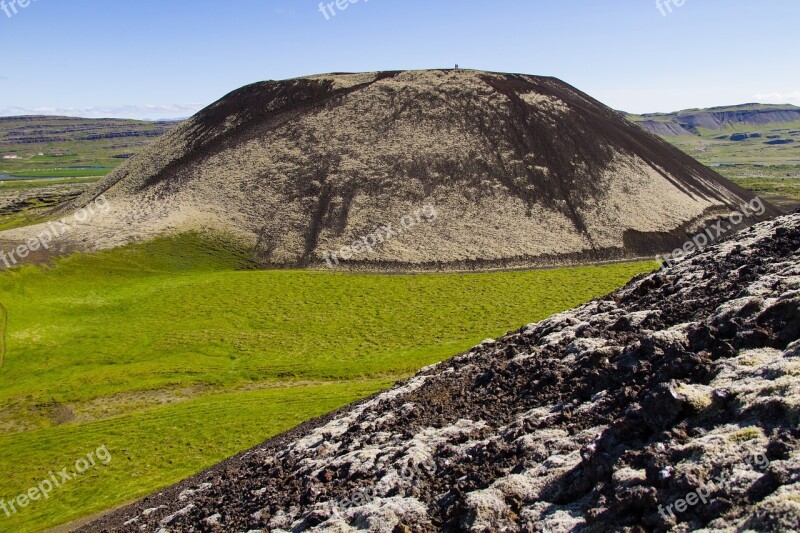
779,184
175,354
18,220
746,434
786,187
63,173
7,186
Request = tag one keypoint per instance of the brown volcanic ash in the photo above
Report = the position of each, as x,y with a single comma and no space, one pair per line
587,421
522,170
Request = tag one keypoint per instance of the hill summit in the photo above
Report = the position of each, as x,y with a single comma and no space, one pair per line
410,170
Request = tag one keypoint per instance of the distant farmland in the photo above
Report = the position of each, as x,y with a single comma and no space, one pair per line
36,146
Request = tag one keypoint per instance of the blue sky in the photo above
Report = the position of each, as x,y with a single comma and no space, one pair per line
168,58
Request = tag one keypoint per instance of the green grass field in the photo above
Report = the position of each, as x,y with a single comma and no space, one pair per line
786,187
59,172
770,170
709,149
175,354
9,186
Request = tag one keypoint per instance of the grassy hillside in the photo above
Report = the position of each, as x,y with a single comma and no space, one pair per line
773,171
175,355
714,148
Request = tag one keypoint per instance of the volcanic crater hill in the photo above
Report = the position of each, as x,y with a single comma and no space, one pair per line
596,419
521,170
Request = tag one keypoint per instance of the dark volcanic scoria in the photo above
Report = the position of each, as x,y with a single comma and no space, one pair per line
670,405
522,171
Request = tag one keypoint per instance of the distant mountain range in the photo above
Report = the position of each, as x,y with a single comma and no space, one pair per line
30,129
698,121
35,130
